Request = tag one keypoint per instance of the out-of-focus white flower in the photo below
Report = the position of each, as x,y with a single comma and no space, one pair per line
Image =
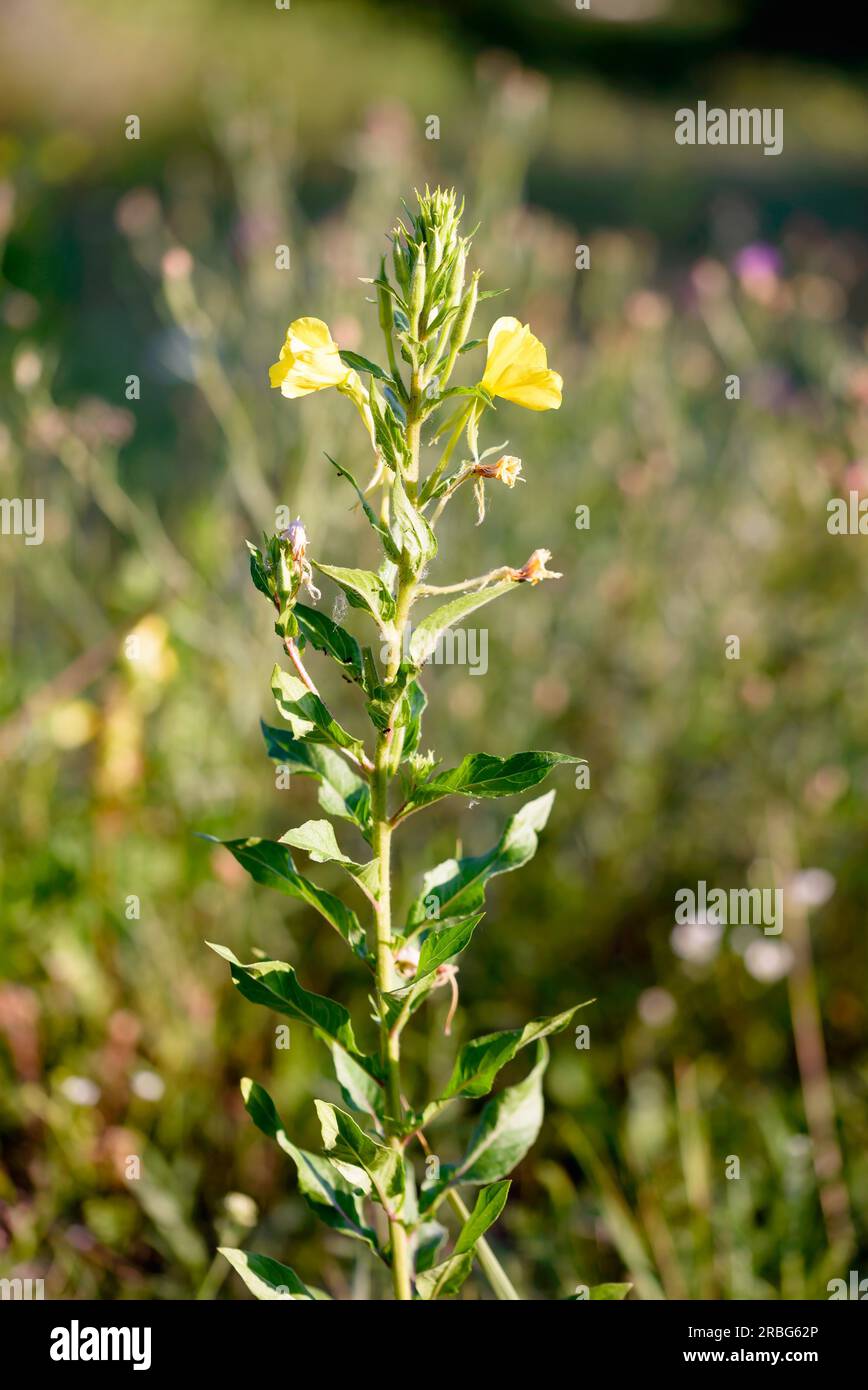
697,942
79,1090
241,1209
656,1007
147,1085
811,887
768,961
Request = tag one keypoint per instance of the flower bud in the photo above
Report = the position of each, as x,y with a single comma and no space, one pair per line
464,318
384,302
417,291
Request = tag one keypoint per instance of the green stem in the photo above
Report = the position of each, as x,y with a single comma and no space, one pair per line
494,1271
389,1046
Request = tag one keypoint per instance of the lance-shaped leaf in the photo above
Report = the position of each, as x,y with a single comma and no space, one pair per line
484,775
489,1205
425,636
317,838
328,636
266,1278
506,1129
412,708
359,1090
386,540
444,944
348,1144
364,590
428,1238
306,714
438,948
275,984
458,885
413,536
337,1202
444,1280
479,1061
362,364
342,791
269,862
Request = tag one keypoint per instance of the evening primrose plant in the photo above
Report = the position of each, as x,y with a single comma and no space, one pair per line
363,1183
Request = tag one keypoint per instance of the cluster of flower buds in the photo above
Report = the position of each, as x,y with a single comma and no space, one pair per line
280,569
433,307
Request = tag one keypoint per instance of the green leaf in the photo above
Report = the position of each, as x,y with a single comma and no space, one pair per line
364,590
342,791
327,636
441,946
484,775
507,1128
489,1205
438,948
479,1061
412,708
348,1144
429,1237
359,1090
317,838
363,364
412,534
306,714
505,1131
335,1201
444,1280
608,1293
275,984
382,532
257,570
458,885
425,636
264,1277
270,863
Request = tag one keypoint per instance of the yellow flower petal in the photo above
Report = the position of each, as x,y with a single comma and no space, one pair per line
309,360
516,368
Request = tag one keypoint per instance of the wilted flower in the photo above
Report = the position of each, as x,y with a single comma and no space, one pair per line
517,368
534,570
505,470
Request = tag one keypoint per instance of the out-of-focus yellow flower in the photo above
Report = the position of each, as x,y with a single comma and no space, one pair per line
310,361
517,368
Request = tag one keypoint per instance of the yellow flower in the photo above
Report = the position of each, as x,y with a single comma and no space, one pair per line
310,361
517,368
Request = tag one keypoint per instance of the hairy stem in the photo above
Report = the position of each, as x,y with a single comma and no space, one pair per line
390,1047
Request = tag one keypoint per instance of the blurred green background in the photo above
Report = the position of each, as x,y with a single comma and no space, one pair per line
119,1033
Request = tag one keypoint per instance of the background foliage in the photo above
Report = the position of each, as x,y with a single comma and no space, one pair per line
118,1035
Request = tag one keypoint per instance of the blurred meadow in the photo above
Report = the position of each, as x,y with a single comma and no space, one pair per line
119,1032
